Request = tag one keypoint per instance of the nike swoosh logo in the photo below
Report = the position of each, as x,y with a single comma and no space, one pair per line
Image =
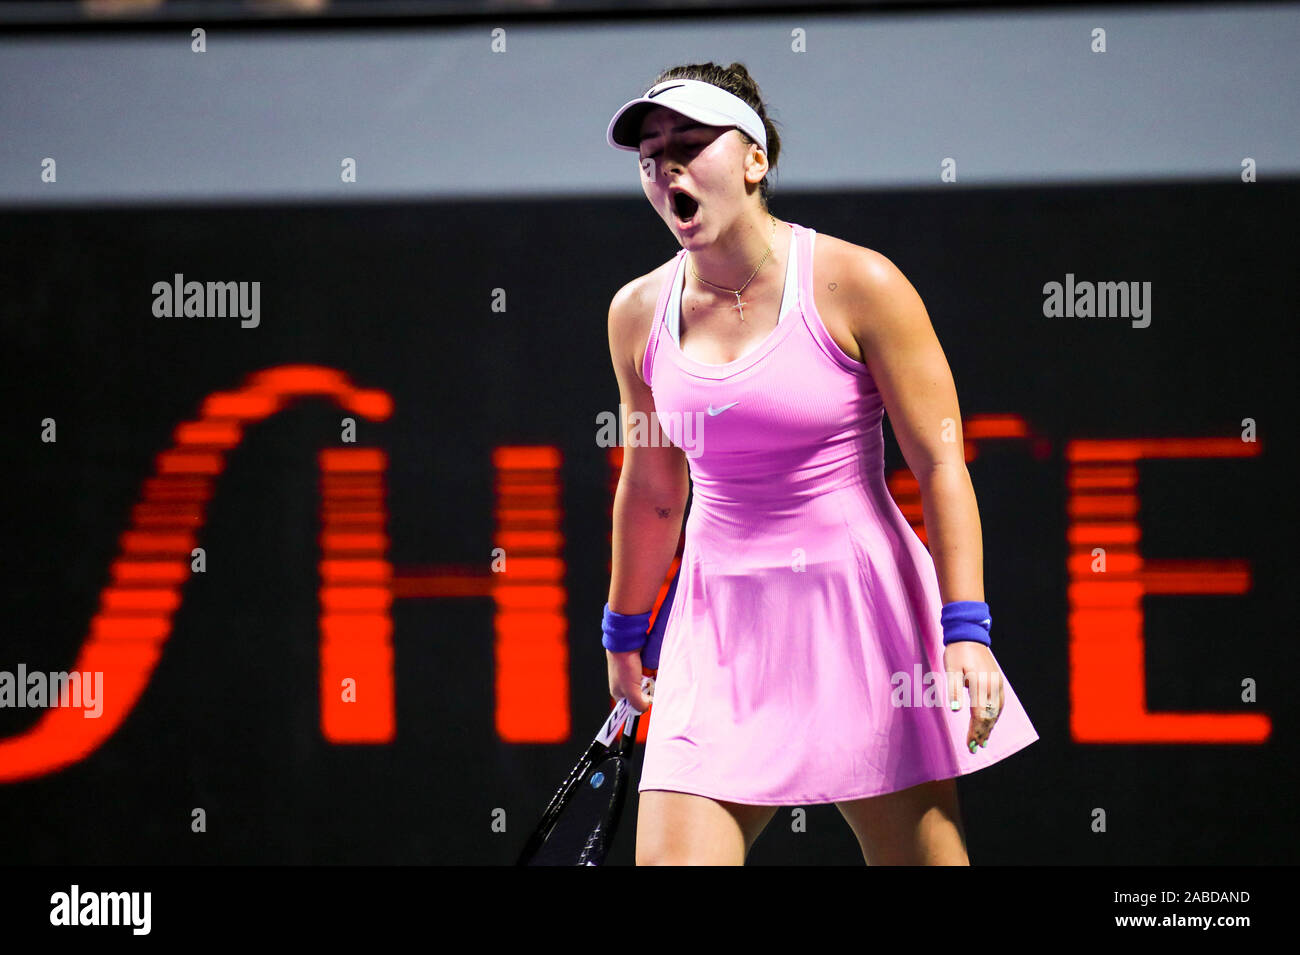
675,86
713,410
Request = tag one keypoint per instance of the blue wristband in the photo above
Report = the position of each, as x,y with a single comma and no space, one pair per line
624,631
966,620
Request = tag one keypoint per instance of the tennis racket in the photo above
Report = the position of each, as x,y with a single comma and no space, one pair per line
582,817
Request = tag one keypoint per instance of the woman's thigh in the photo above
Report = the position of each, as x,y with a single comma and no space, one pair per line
920,825
684,829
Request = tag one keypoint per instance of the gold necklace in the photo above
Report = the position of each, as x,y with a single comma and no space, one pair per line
736,291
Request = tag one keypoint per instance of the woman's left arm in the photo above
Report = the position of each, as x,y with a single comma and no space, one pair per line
903,354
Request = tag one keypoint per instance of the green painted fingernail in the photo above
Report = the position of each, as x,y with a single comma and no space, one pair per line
956,705
983,743
972,746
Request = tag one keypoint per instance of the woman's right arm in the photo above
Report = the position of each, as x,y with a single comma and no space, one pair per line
653,486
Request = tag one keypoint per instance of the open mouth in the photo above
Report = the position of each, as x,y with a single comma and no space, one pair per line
684,207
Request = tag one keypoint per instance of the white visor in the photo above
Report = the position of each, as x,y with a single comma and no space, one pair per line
695,99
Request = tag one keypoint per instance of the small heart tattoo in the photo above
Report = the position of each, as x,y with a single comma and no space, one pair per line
833,286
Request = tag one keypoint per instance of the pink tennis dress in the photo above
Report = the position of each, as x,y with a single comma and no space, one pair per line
795,659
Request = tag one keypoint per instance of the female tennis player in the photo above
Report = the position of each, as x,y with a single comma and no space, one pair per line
815,650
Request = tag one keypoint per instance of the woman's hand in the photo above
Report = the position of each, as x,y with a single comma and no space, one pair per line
625,679
971,664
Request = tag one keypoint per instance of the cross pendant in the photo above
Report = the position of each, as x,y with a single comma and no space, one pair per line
740,305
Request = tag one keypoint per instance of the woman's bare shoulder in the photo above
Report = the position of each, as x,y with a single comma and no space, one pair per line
632,311
848,277
638,297
833,254
850,282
